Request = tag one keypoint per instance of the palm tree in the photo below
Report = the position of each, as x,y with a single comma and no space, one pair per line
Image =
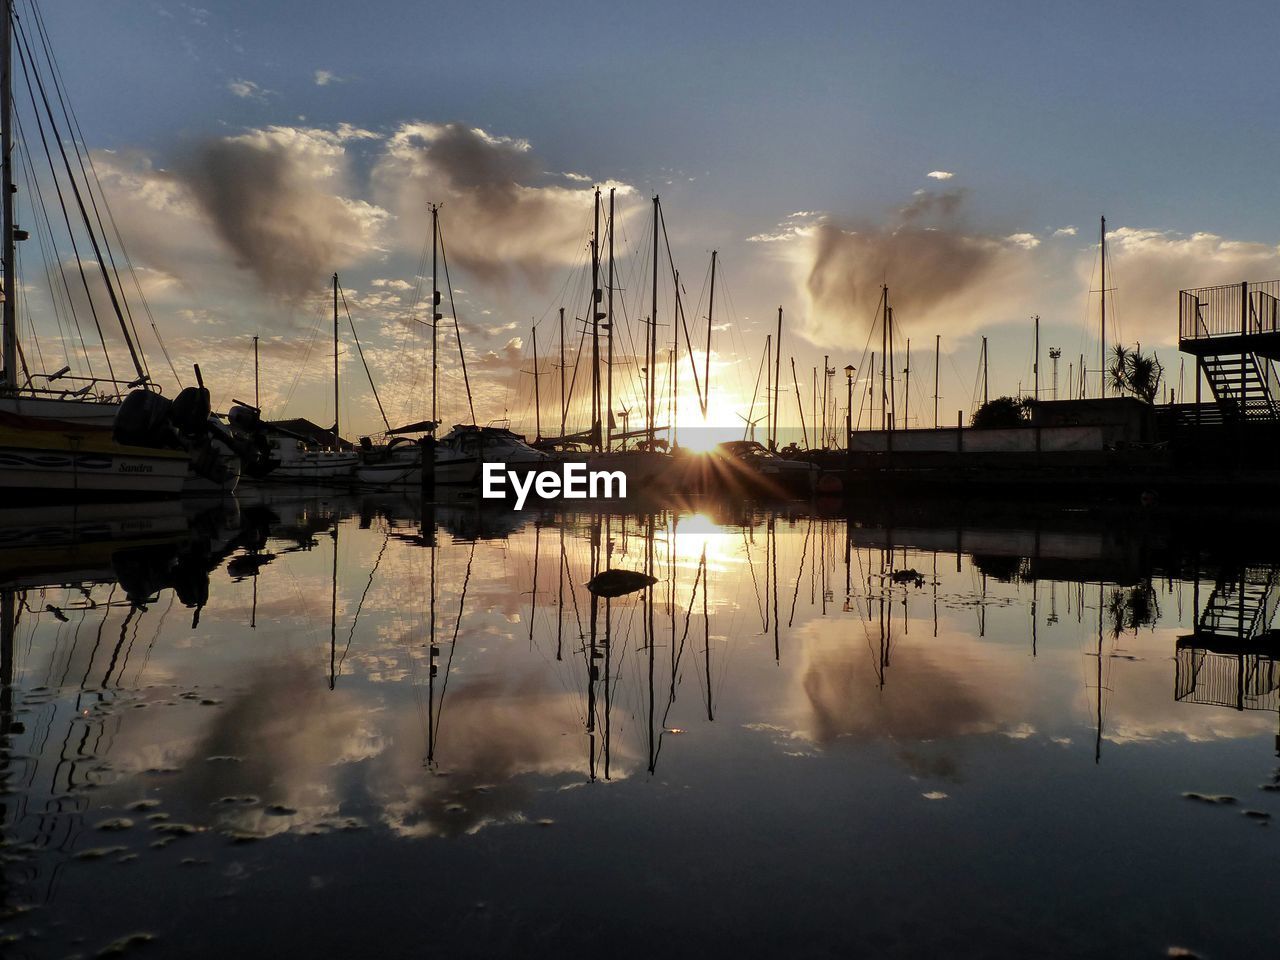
1135,372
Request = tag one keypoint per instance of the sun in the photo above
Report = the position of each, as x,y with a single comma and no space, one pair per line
700,434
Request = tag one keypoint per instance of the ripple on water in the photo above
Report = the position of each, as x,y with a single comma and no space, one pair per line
1218,798
114,824
126,943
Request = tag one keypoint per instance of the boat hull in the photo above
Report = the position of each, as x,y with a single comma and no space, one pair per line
47,465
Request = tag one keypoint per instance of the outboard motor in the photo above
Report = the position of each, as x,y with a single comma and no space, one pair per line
248,438
190,411
143,421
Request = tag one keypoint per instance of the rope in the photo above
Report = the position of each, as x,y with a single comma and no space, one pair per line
360,350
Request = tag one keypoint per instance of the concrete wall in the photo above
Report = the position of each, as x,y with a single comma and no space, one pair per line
1010,440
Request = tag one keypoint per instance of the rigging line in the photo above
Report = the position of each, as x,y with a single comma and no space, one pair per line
453,643
138,365
319,319
804,553
74,123
675,278
457,332
43,233
66,218
386,537
25,306
75,143
360,350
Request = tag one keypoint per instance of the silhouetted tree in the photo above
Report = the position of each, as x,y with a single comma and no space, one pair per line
1135,372
1002,412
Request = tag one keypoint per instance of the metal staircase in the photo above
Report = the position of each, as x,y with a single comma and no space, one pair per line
1244,385
1233,659
1242,608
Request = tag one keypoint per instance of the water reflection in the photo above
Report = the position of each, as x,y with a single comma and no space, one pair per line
235,687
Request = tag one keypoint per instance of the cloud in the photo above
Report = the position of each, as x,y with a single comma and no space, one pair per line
323,78
276,198
939,174
248,90
391,284
511,218
1065,232
1148,267
942,277
1027,241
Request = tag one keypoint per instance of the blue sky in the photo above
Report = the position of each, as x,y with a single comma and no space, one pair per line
1158,114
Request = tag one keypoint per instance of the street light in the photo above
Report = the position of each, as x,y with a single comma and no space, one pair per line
849,371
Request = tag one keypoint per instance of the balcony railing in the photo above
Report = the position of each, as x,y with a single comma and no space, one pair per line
1231,309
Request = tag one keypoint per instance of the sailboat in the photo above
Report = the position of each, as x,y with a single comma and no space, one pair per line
58,440
646,464
460,454
300,458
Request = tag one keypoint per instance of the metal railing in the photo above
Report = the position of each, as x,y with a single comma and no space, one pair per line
1245,682
90,389
1229,309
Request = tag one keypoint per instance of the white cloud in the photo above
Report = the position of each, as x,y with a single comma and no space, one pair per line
939,174
392,284
1065,232
1027,241
325,77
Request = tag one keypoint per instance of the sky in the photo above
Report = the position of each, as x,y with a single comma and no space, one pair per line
962,154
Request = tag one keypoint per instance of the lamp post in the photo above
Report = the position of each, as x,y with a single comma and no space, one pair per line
849,371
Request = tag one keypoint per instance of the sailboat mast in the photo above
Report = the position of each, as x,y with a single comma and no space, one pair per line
937,362
768,399
608,418
6,181
675,360
1102,345
595,326
1036,365
257,401
706,360
884,352
537,395
564,409
826,361
984,371
777,383
889,364
906,387
335,361
651,352
804,431
435,305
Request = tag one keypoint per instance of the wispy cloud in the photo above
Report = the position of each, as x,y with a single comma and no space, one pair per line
323,78
248,90
939,174
1065,232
